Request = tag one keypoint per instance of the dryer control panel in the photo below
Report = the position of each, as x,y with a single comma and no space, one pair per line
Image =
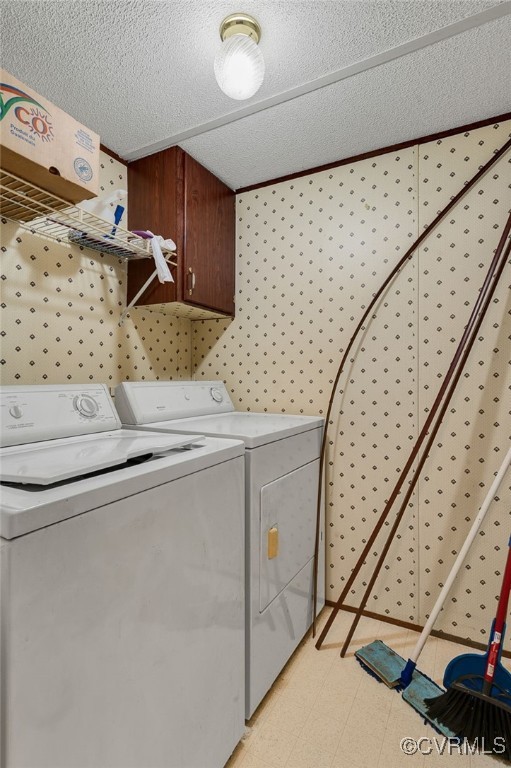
147,402
46,412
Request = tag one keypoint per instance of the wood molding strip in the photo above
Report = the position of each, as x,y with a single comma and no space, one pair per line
356,158
416,627
113,154
381,151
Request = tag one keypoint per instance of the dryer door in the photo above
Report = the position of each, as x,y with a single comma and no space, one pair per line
287,525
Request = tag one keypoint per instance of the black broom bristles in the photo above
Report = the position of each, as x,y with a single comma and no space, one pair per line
479,718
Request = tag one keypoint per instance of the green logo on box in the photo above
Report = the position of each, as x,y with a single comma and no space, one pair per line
34,120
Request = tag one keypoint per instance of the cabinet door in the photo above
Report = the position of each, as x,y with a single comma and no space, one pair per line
209,239
155,195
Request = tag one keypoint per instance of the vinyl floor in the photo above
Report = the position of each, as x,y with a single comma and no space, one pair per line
327,712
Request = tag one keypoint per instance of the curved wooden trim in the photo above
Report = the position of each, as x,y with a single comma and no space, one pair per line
455,370
395,271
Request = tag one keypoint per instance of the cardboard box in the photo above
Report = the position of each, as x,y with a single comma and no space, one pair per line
44,145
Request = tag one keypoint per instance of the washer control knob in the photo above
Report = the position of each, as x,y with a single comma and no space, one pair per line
15,411
216,394
86,406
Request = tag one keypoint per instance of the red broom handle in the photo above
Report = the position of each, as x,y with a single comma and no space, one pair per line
500,620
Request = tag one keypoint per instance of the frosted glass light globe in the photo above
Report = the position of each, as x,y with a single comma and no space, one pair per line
239,67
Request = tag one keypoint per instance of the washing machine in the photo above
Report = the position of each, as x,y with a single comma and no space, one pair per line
282,475
122,588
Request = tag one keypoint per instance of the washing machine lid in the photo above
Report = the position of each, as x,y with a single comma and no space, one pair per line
53,461
25,508
51,432
64,453
255,429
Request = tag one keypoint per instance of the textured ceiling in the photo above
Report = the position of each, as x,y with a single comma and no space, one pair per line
140,73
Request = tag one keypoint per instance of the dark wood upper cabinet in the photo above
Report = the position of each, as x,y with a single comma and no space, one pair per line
172,195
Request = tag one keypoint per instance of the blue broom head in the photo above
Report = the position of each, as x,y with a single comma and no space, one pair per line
470,668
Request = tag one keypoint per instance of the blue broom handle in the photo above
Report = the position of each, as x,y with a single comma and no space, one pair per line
457,565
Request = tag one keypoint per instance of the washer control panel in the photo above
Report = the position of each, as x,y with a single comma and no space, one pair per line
46,412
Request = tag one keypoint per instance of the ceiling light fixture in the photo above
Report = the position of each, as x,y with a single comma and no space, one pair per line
239,64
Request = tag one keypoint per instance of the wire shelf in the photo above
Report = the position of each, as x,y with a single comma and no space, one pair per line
42,213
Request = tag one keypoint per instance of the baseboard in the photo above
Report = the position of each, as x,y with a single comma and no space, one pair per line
417,628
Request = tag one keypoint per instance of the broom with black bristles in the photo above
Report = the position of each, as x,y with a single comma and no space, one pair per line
477,702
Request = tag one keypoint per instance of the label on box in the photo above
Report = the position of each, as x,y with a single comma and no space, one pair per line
81,165
44,145
85,140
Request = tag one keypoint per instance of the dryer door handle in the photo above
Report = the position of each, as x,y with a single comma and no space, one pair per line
273,542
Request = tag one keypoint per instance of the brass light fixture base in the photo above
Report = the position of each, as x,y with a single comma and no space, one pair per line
240,24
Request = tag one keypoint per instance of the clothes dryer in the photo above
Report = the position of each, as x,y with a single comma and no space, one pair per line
282,475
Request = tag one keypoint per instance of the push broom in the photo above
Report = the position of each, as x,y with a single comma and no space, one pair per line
377,658
477,702
390,667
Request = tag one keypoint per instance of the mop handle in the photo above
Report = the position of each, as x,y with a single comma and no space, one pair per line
461,557
499,624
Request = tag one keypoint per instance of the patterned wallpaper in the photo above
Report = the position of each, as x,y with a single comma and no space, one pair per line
60,312
474,437
311,252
